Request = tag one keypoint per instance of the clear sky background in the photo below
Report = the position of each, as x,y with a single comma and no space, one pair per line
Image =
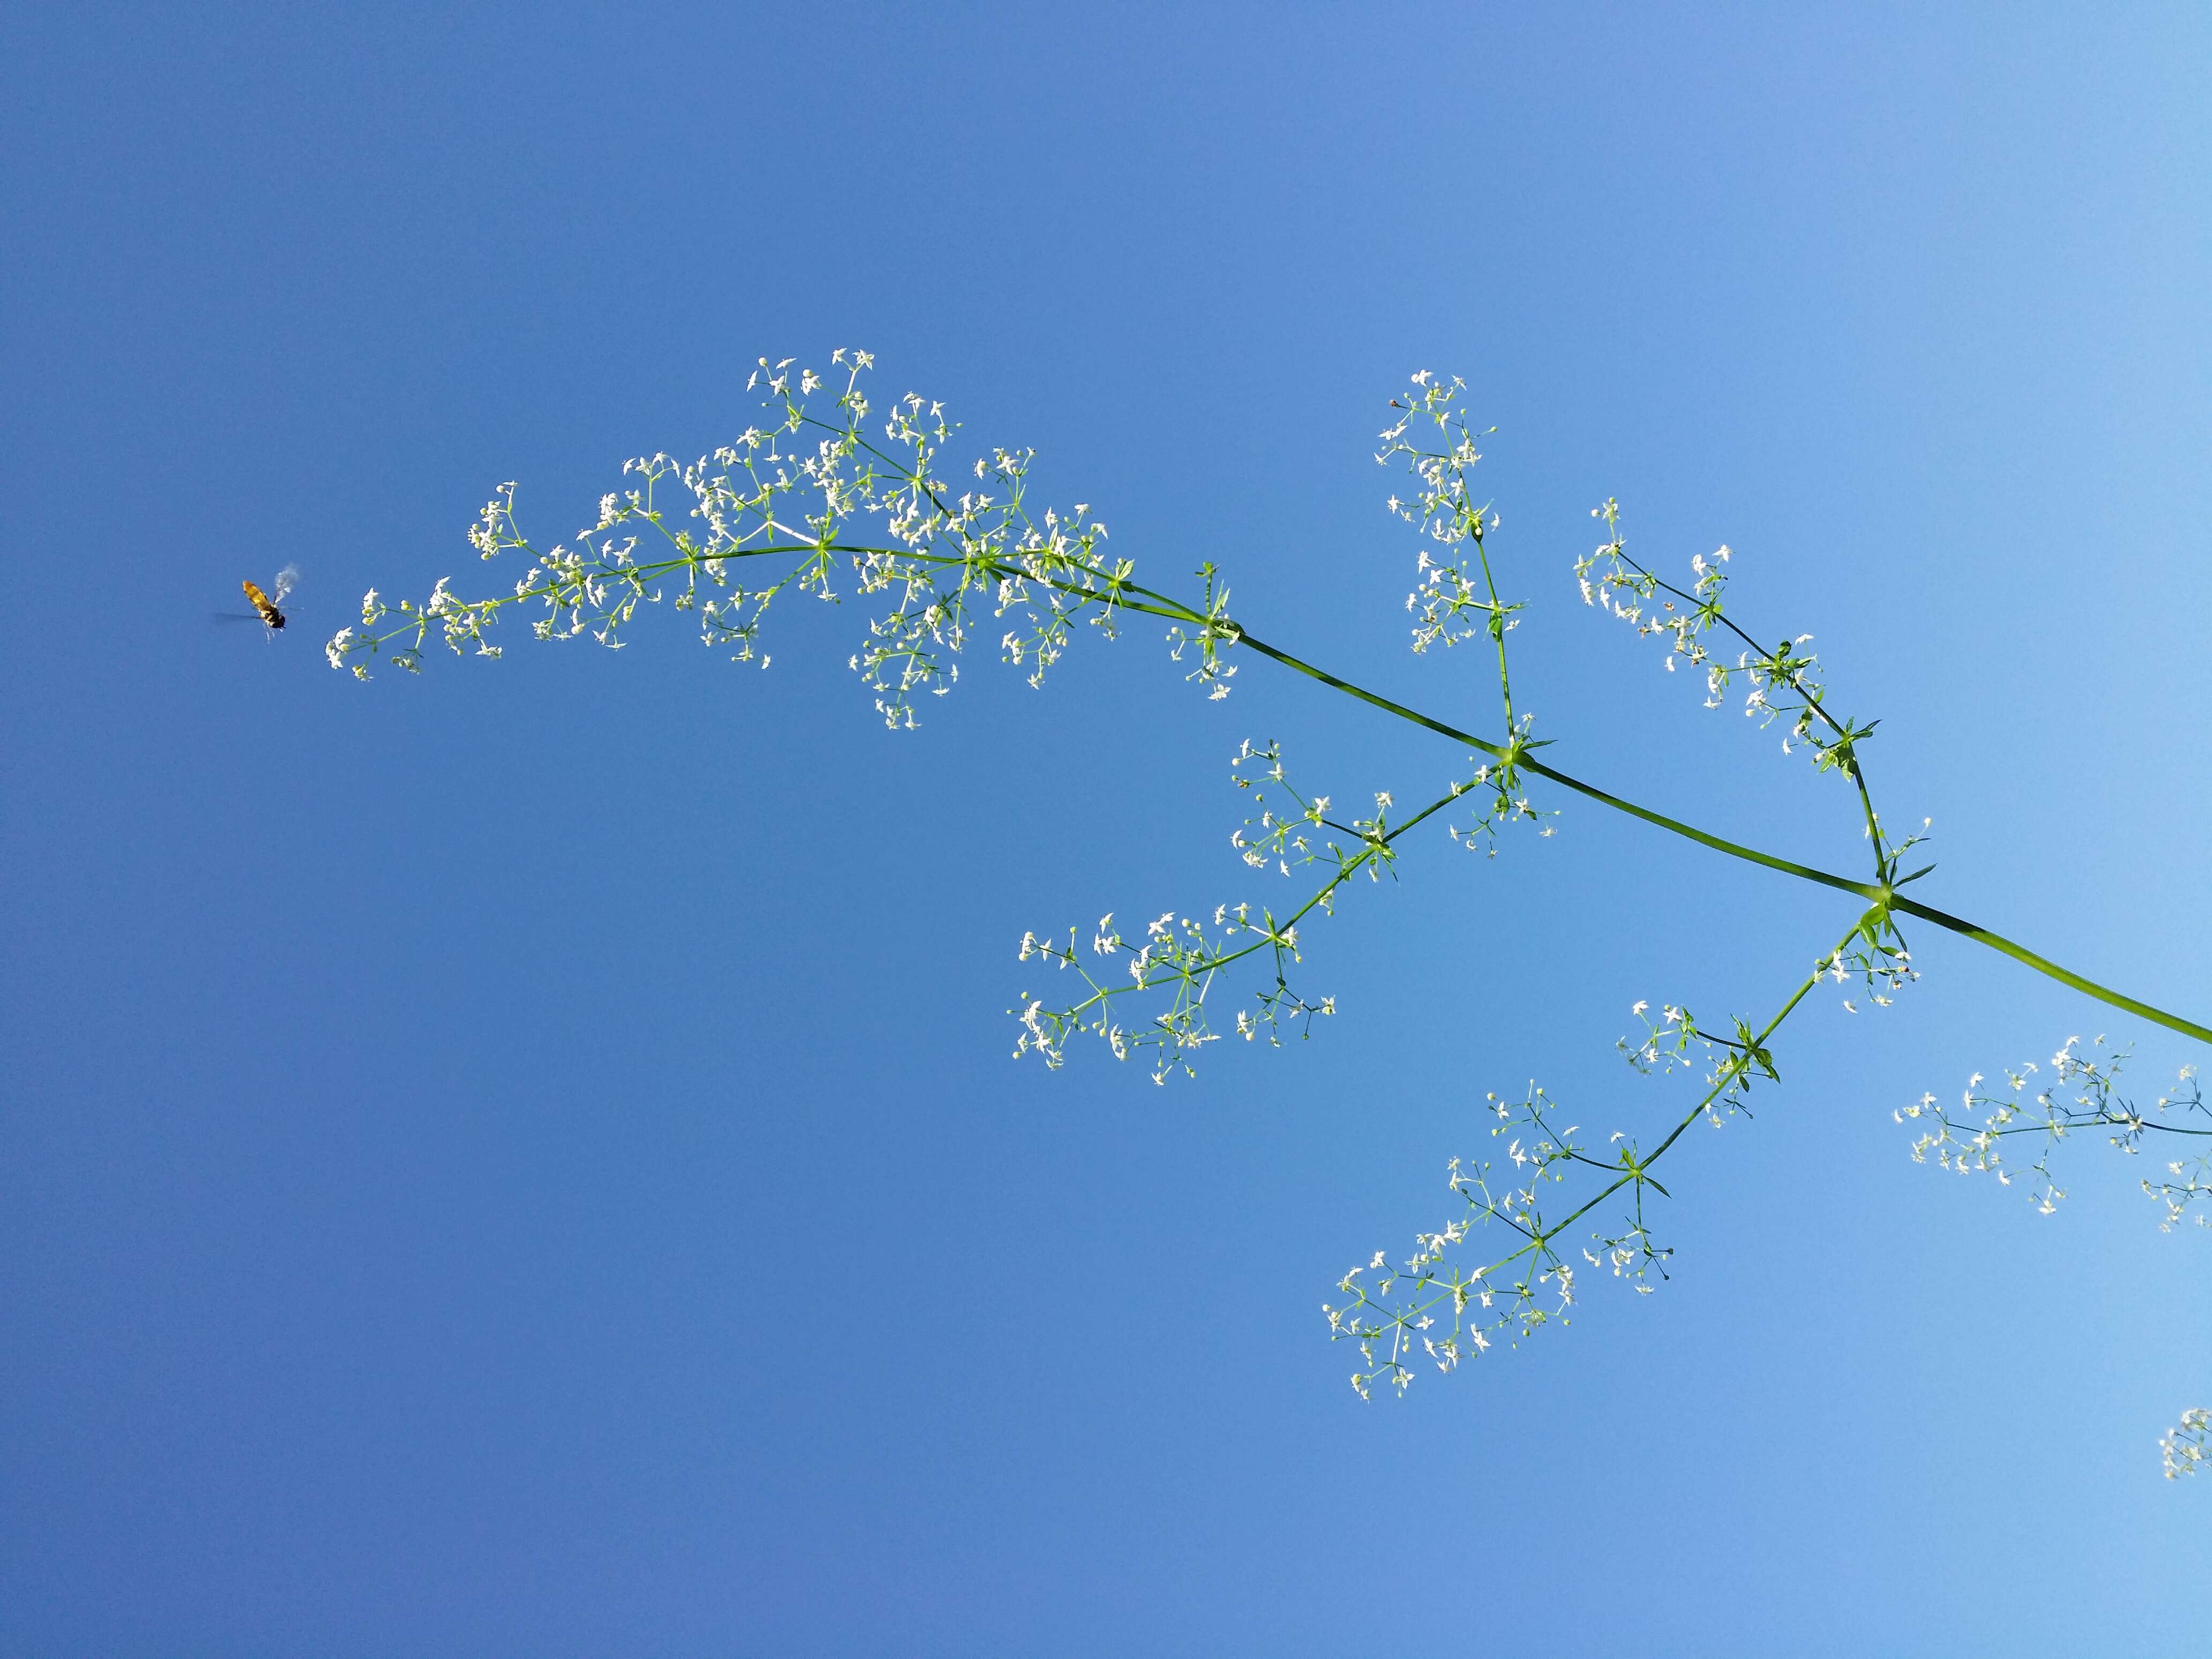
526,1161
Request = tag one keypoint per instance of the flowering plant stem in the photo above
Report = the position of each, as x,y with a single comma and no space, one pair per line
1145,600
1888,897
949,554
1395,1310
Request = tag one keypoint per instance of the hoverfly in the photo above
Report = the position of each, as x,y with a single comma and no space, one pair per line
264,604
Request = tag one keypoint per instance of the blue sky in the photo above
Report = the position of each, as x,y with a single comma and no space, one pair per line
526,1160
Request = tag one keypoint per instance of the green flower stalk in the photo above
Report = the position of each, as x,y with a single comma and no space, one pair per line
820,501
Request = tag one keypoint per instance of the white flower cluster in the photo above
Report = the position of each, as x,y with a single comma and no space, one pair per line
1447,606
815,494
2187,1446
1783,680
1973,1144
1285,831
1876,954
1181,956
1205,636
1286,840
1392,1316
1667,1043
1504,785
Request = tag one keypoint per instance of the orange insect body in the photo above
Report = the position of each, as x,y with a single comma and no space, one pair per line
263,603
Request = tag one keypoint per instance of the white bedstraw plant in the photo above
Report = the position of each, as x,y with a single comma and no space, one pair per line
831,494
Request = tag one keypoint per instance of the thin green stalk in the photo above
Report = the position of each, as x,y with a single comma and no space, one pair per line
1497,625
2044,965
1877,893
1132,597
1735,1066
1811,695
1367,856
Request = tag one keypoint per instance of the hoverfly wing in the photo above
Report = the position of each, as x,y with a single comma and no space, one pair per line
287,579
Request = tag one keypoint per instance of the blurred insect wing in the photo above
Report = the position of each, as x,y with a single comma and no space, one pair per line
287,579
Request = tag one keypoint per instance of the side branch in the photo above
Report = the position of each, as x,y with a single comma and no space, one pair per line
1391,1317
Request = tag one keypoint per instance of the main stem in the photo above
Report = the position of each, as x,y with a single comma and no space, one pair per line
1875,894
1130,595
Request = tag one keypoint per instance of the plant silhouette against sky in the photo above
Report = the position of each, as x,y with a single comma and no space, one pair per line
858,497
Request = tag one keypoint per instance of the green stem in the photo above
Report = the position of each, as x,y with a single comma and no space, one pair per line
2044,965
1873,892
1132,597
1811,693
1350,868
1741,1066
1497,625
